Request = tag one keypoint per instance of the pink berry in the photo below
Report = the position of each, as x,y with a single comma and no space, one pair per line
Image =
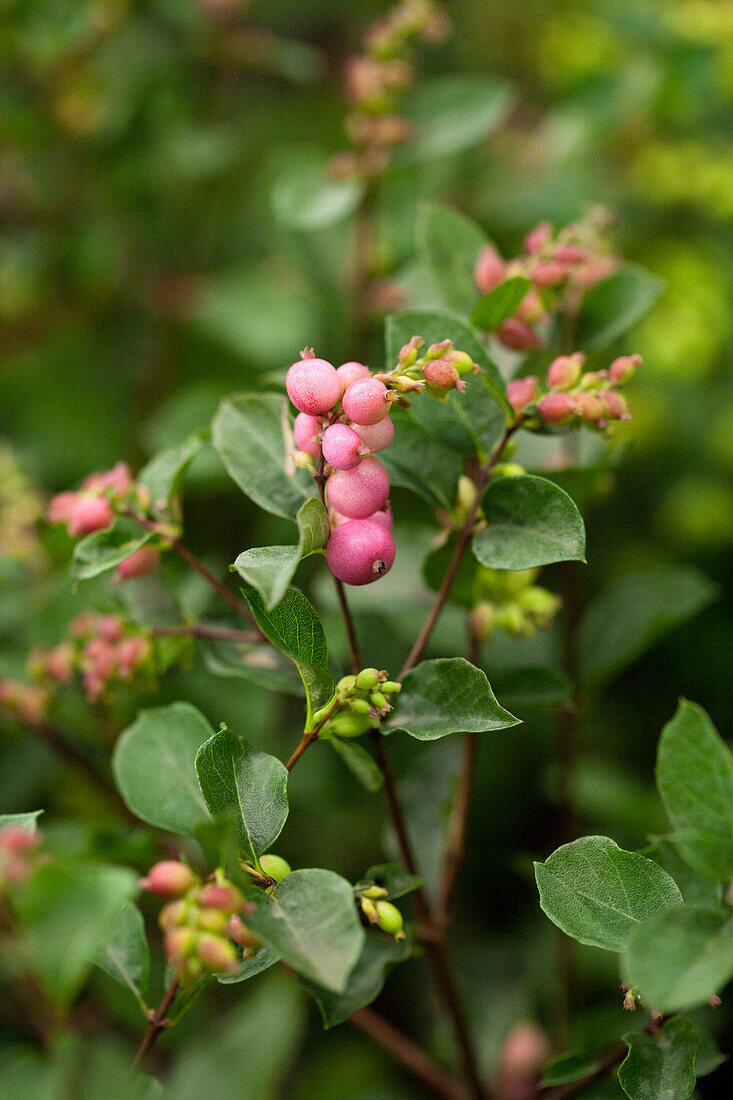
489,270
169,879
223,897
376,436
90,514
61,507
442,375
556,408
109,627
549,274
305,433
119,479
360,551
131,654
621,369
538,239
588,407
517,335
341,447
384,518
352,372
138,564
571,254
614,406
564,371
365,401
359,492
313,386
521,392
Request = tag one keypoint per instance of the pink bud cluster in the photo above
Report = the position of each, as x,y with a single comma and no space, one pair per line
18,854
95,506
574,397
561,267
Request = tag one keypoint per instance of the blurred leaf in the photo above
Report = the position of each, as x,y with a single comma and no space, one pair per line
530,521
27,821
597,893
633,612
259,664
391,878
103,550
270,569
163,475
493,308
444,696
565,1068
532,686
682,957
153,765
435,566
248,431
306,197
661,1066
449,244
359,761
695,780
615,305
295,630
234,776
380,955
452,114
418,461
311,920
125,954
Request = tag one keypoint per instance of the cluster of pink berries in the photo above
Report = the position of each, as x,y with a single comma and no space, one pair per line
204,932
575,397
561,266
343,421
95,506
18,854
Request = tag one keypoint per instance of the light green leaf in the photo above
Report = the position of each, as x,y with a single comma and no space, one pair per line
661,1066
493,308
164,474
449,245
125,954
249,432
295,630
530,521
447,695
598,893
380,955
27,821
252,784
453,113
103,550
682,957
311,921
153,765
695,780
615,305
270,569
633,612
362,765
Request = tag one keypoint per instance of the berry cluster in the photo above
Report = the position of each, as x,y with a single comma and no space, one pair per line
575,397
561,267
18,854
361,704
511,601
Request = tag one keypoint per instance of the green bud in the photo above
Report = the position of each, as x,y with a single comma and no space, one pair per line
378,700
359,705
212,920
346,685
375,892
348,724
390,919
275,866
539,602
367,678
390,686
369,909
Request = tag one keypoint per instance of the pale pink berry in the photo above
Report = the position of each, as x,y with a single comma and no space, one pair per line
442,375
556,408
90,514
313,386
538,239
614,406
61,507
217,954
384,518
118,479
564,371
352,372
169,879
359,492
521,392
517,335
360,551
138,564
621,369
131,654
376,436
365,401
549,274
341,447
489,270
531,309
305,433
571,254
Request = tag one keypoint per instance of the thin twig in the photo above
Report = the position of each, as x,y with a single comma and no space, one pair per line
201,630
309,736
351,636
158,1022
408,1054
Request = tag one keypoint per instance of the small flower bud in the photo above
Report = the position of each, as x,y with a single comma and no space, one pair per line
217,954
390,687
212,920
140,563
521,392
442,375
179,944
275,866
556,408
461,360
538,239
16,841
550,273
61,507
571,254
489,270
517,335
90,514
172,915
378,700
564,371
241,934
221,896
359,706
614,406
344,686
369,909
408,352
589,407
169,879
374,893
622,369
368,678
389,919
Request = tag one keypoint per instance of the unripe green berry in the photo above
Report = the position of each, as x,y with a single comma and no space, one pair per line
275,866
390,919
360,706
369,909
348,724
390,686
345,685
367,678
374,893
378,699
212,920
217,954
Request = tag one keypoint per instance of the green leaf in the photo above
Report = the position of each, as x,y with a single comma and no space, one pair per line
153,765
27,821
695,888
449,245
530,521
635,611
258,663
255,964
681,958
598,893
311,921
234,776
447,695
249,432
391,878
615,305
379,955
295,630
306,197
164,474
125,954
565,1068
452,114
103,550
270,569
493,308
418,461
661,1066
67,912
362,765
695,780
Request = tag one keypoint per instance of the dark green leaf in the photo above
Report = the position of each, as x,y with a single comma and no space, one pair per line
125,954
163,475
493,308
530,521
448,695
449,245
453,113
270,569
103,550
262,960
249,431
380,954
153,765
566,1068
360,762
661,1066
695,888
391,878
598,893
252,784
615,305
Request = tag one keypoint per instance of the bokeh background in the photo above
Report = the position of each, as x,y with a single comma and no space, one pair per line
167,239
